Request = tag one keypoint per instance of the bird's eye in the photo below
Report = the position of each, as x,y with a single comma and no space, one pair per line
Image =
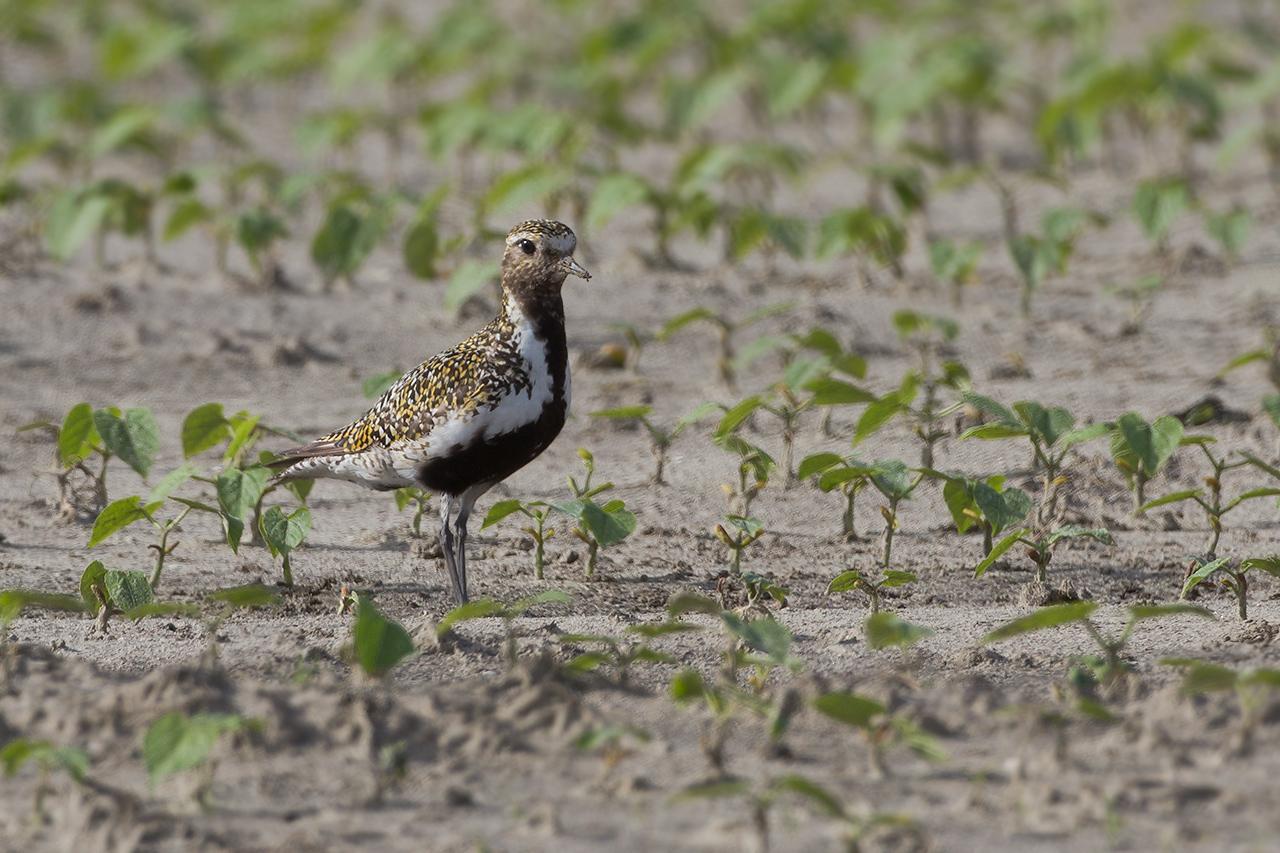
527,247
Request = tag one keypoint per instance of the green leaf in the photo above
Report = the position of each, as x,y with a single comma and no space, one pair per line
1001,509
550,596
1172,498
239,490
245,597
816,464
177,742
118,515
714,790
479,608
18,752
161,491
14,601
997,551
877,415
613,194
1270,565
829,391
1202,573
767,636
1205,677
896,577
825,802
1046,617
74,217
687,686
624,412
739,413
849,708
501,510
204,427
185,215
380,642
470,278
421,248
885,629
93,573
1271,405
1158,203
282,532
608,525
127,590
77,435
1076,531
134,437
689,602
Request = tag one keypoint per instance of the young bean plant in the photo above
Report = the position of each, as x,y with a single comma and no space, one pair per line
869,585
1233,577
1141,449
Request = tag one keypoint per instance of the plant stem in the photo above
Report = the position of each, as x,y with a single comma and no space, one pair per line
537,556
163,550
847,520
890,523
1241,589
287,570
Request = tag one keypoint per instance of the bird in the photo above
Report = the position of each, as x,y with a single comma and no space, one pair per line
469,417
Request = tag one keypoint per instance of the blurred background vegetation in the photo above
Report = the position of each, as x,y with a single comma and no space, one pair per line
718,130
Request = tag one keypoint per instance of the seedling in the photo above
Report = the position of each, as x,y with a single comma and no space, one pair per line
895,482
124,512
988,504
481,608
831,471
111,591
864,582
538,512
1041,546
637,339
283,533
419,500
1038,256
1251,686
1051,433
1269,355
1106,668
926,335
725,329
177,742
131,436
660,439
1234,578
885,630
954,264
1230,229
622,653
1140,295
737,534
598,525
754,468
50,759
1211,502
379,643
1157,204
1141,449
880,728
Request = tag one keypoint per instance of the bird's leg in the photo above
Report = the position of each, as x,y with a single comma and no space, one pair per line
460,531
447,549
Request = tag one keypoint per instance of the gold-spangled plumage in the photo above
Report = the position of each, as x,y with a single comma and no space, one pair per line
467,418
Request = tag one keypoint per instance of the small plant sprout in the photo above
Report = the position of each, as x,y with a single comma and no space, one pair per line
725,330
637,339
1141,449
895,483
1210,499
1233,577
737,534
831,472
926,335
1105,670
107,592
131,436
870,586
283,532
754,467
1051,432
1041,546
880,728
538,513
419,500
378,642
1270,356
955,264
1157,204
598,525
482,608
660,438
48,759
1251,686
622,654
1038,256
989,505
177,742
1140,296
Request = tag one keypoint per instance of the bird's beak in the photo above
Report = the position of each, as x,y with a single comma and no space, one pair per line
572,267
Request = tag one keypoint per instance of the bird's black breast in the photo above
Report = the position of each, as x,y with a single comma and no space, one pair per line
494,458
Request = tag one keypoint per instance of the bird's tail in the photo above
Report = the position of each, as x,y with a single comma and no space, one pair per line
306,461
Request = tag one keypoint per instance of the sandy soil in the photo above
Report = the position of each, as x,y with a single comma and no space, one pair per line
489,755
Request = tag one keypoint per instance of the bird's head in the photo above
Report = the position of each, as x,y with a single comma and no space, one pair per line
538,258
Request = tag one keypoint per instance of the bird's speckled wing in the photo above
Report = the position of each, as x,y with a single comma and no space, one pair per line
379,446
